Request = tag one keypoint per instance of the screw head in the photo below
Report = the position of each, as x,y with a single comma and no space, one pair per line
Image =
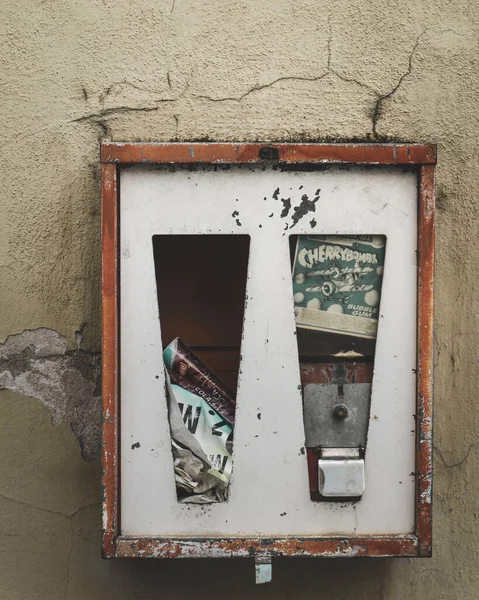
340,411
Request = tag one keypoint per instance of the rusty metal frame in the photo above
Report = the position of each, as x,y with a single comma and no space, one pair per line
116,155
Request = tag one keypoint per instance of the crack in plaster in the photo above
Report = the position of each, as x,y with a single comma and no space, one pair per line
70,517
36,363
330,41
456,464
449,30
121,109
67,562
177,125
352,80
49,510
120,84
258,88
101,118
379,102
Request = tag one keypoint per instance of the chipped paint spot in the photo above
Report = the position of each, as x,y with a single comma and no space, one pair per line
235,214
286,207
304,208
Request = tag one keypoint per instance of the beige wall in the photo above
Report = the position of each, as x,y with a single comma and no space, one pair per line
74,73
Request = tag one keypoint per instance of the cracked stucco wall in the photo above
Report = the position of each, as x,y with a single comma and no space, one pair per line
74,73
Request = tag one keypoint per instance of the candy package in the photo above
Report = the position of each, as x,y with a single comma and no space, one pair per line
201,414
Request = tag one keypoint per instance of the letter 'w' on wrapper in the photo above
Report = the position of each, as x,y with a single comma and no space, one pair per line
187,370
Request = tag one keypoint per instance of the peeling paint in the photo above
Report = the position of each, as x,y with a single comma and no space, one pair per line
286,207
257,547
36,363
304,208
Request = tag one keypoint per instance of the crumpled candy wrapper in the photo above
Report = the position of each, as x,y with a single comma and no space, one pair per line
201,446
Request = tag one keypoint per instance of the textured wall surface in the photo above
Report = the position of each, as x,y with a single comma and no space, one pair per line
75,73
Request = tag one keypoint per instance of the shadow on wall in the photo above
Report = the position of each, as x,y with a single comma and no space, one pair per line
361,578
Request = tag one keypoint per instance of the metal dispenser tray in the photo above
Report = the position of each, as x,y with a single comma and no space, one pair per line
336,421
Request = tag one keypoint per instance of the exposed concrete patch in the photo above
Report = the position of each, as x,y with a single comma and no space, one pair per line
37,363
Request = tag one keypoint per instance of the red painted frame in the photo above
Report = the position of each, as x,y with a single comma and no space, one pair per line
113,156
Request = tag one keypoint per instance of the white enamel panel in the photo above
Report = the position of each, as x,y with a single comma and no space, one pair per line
269,494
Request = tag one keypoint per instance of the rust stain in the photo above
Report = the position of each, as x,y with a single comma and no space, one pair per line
425,361
380,546
108,173
109,357
380,154
327,372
